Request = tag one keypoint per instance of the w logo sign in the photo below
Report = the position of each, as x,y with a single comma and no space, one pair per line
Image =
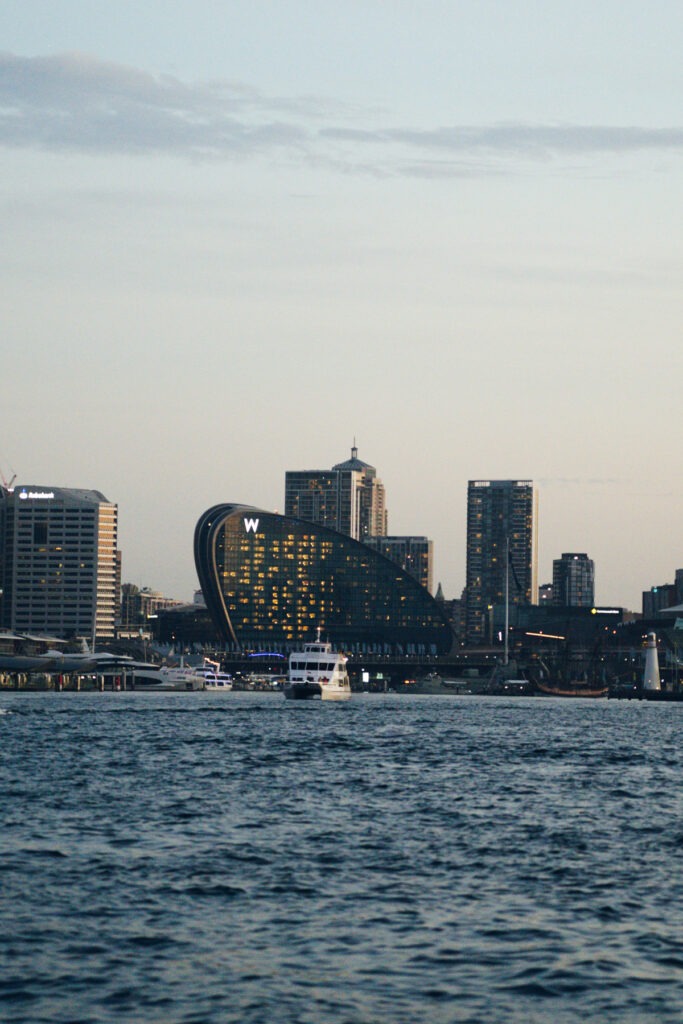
251,525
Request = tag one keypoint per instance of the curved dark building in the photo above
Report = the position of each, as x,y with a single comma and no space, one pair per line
273,580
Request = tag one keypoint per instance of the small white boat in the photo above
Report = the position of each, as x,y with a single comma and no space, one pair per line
214,680
218,682
317,672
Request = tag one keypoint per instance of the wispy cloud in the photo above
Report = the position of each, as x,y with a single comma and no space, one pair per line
73,102
579,481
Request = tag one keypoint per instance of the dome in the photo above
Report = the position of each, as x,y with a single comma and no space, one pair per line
354,463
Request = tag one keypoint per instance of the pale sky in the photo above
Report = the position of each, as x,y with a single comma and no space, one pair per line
236,235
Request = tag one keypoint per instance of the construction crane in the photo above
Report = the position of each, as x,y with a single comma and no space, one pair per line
7,484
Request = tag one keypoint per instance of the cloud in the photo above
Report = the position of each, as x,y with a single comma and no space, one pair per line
576,481
74,102
520,139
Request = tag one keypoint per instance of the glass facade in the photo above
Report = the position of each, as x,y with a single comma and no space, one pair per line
271,579
414,554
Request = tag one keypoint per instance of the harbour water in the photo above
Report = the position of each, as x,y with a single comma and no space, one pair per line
187,858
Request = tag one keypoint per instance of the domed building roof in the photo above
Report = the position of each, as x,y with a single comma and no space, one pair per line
354,463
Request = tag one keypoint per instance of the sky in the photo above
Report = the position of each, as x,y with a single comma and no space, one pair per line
236,236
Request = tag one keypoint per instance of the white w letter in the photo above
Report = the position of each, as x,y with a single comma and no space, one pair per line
251,525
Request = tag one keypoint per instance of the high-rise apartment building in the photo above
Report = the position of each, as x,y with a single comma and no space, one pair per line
348,498
413,554
573,581
58,562
501,543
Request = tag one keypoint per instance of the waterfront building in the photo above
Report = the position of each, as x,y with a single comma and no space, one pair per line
414,554
58,551
271,581
573,581
501,539
348,498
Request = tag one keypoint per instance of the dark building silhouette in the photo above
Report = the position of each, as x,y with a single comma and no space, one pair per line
656,599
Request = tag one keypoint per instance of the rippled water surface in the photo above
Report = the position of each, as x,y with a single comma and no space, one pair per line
210,858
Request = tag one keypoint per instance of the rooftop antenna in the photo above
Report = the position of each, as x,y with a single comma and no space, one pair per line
354,450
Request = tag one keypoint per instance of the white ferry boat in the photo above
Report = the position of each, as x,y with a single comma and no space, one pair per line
317,672
156,679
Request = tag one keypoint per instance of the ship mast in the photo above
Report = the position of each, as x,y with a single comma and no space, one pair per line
507,597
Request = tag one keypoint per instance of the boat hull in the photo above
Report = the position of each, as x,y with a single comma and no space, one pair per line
302,691
317,673
315,691
336,693
570,691
159,680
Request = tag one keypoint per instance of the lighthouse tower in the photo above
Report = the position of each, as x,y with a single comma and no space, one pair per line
651,680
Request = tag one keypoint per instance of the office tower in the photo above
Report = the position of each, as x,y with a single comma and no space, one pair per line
348,498
501,538
573,581
59,559
414,554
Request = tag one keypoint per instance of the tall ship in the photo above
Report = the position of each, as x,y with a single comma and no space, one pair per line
317,673
578,688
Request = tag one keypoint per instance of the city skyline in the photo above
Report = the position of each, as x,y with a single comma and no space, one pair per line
237,238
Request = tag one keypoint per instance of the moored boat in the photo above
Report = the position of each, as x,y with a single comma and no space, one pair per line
162,679
218,682
572,689
215,681
317,672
